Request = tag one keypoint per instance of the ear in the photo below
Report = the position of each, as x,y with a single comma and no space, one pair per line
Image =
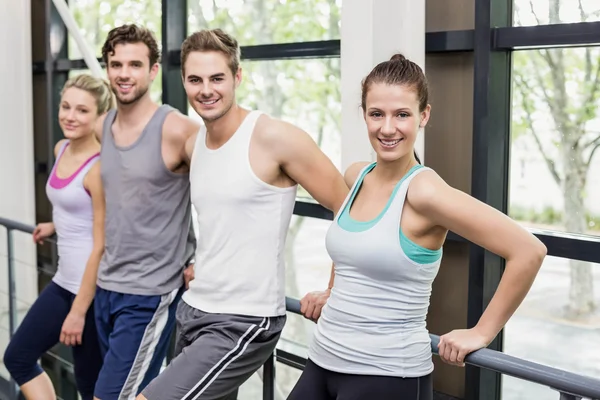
425,116
238,77
154,71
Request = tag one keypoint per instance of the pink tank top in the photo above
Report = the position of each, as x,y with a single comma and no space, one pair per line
73,217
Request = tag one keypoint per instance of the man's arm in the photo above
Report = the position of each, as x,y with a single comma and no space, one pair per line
180,132
190,251
303,161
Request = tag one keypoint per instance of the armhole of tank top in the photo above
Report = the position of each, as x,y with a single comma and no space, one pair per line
61,151
107,126
427,256
90,164
406,182
352,193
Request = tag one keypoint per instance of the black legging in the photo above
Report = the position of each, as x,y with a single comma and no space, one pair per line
317,383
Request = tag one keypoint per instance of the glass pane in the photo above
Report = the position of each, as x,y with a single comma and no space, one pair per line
555,167
303,92
95,18
546,330
254,22
155,88
543,12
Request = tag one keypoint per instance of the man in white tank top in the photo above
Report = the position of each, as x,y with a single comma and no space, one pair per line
244,170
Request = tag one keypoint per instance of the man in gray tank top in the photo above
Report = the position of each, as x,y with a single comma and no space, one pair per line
149,236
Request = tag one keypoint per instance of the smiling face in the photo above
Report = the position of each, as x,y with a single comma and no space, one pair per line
210,84
77,114
130,72
393,120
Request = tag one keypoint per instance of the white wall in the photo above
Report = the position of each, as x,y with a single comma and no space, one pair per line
17,196
371,32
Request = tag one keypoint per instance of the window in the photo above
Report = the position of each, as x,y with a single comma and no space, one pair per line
543,12
303,92
555,186
555,167
544,331
268,21
96,18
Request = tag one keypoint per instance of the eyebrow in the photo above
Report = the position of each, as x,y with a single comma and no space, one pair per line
219,75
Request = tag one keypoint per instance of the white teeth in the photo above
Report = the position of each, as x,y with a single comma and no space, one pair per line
209,102
389,142
125,86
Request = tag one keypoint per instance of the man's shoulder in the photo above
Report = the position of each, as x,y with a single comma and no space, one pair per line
274,130
179,126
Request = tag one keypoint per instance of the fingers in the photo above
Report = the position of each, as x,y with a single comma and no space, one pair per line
451,352
309,309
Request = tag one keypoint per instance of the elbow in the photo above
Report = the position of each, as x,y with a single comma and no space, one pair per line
98,251
536,253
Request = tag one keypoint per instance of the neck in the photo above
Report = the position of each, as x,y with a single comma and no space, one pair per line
83,145
222,129
393,171
132,114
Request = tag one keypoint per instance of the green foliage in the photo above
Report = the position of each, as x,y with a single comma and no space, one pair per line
549,216
304,92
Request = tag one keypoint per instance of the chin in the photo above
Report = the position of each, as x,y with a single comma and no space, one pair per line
212,115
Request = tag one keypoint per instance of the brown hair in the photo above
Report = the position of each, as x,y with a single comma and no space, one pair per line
131,33
398,71
212,40
97,87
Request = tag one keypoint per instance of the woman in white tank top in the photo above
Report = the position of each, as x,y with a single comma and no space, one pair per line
386,243
63,311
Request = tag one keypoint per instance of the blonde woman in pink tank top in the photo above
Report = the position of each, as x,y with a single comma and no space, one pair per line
63,311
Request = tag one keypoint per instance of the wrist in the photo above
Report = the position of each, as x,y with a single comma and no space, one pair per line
487,333
78,308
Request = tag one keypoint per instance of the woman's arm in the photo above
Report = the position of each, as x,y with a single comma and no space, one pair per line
487,227
72,329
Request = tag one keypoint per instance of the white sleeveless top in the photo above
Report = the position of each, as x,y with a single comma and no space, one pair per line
374,320
73,217
242,228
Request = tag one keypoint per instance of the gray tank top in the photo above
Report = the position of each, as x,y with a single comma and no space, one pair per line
148,214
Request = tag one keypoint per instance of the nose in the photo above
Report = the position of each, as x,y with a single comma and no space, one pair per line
123,73
206,90
70,115
388,127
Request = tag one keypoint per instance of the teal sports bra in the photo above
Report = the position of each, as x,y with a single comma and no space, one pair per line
416,253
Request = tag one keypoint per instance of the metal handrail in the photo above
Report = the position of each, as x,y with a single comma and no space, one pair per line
570,385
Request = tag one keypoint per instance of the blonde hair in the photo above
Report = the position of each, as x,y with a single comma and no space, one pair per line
99,88
212,40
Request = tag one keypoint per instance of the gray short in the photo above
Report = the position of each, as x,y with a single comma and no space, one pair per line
215,354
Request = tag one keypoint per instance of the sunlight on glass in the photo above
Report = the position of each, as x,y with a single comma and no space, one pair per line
96,18
273,22
541,12
104,8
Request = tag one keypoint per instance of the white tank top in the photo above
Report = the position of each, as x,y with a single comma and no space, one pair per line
73,217
374,320
242,228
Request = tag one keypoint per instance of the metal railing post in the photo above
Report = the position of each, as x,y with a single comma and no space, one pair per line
269,378
12,297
